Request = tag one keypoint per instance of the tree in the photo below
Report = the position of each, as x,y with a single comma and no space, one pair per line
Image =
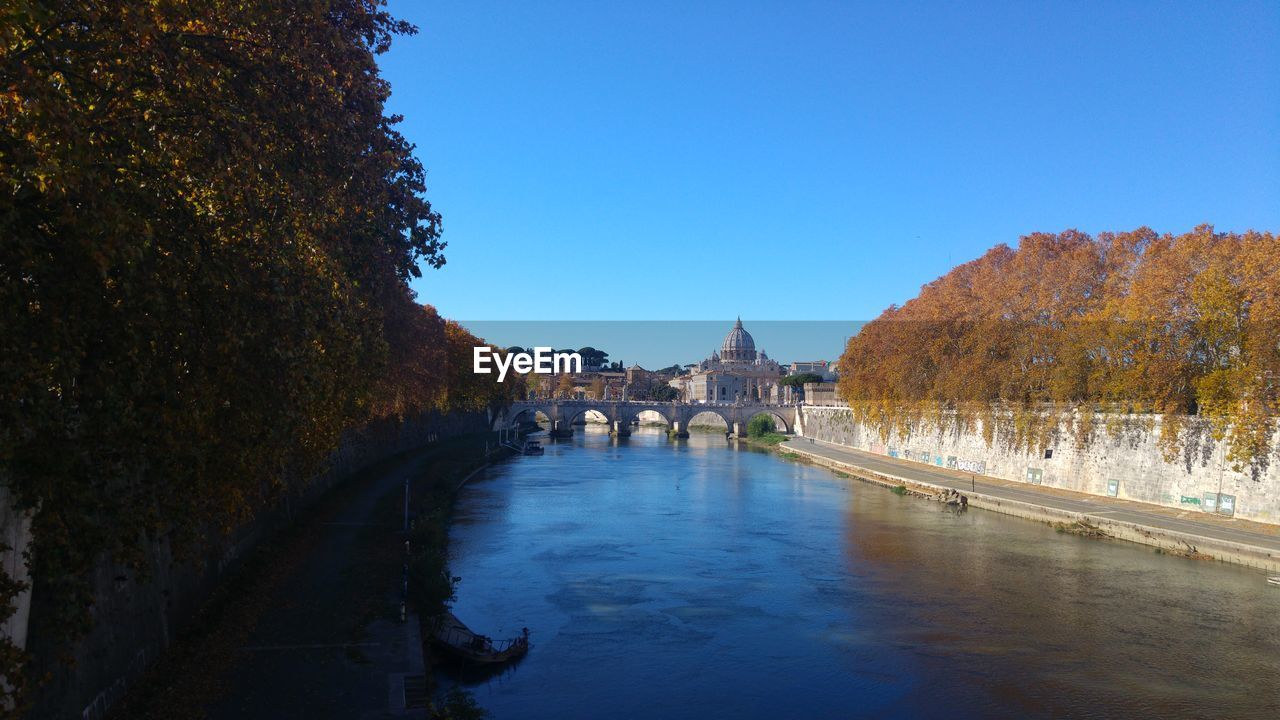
655,392
565,387
593,358
209,226
536,385
799,379
597,388
760,425
1067,326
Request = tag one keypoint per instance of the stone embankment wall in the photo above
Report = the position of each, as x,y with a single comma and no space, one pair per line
1131,466
136,619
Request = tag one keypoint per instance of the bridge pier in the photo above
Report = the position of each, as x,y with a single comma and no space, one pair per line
560,412
560,429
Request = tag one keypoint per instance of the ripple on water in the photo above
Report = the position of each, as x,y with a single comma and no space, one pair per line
693,581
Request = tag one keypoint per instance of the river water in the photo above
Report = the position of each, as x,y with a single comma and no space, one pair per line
690,579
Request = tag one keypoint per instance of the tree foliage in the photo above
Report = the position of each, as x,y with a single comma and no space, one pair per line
654,392
564,386
207,225
760,425
593,358
1067,327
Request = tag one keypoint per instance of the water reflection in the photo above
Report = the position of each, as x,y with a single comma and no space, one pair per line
689,579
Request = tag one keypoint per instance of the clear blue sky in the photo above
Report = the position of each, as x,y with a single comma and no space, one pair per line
815,160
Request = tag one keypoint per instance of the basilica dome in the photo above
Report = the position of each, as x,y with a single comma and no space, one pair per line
738,345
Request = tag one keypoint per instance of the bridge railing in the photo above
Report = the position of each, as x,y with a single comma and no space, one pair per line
673,403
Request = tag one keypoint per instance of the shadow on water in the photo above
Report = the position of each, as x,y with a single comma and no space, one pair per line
470,674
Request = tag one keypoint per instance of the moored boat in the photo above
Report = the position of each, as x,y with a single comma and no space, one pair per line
454,637
1274,580
532,447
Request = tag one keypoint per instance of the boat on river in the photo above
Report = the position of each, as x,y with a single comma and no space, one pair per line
455,638
532,447
1274,580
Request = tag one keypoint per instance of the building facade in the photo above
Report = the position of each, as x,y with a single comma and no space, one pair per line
737,373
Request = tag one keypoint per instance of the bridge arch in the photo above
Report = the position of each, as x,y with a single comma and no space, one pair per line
515,415
700,411
780,422
571,414
632,414
562,413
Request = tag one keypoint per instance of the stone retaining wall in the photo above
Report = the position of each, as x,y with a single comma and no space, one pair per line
135,620
1131,467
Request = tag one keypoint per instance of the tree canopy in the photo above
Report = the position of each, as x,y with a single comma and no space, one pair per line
1067,327
760,425
799,379
593,358
208,222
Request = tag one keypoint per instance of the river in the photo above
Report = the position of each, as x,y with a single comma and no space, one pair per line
690,579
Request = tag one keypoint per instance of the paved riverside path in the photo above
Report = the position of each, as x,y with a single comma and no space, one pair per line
1264,538
330,643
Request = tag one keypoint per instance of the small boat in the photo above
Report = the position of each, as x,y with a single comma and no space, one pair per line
532,447
454,637
1273,580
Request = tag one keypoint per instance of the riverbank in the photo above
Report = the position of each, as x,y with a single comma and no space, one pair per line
313,627
1182,533
768,441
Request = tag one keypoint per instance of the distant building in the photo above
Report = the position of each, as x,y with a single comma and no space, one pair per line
822,368
737,373
637,375
823,393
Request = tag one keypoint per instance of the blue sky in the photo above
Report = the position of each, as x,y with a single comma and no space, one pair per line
815,160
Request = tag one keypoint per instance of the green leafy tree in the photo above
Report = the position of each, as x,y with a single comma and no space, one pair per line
593,358
799,379
760,425
655,392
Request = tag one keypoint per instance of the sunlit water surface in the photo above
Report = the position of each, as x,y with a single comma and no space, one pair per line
689,579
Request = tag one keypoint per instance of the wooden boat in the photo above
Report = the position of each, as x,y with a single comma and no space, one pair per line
532,447
1274,580
454,637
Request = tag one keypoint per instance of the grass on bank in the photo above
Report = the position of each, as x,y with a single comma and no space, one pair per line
770,439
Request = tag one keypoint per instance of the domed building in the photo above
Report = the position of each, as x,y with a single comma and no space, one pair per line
737,373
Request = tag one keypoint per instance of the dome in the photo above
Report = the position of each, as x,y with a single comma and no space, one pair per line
738,345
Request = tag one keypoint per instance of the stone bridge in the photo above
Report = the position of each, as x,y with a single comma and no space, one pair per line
621,414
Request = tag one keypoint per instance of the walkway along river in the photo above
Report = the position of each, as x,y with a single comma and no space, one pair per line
689,579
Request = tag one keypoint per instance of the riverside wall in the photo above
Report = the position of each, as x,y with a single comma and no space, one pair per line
137,618
1130,465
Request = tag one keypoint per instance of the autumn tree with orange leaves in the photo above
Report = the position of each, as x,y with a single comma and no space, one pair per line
1071,331
207,226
